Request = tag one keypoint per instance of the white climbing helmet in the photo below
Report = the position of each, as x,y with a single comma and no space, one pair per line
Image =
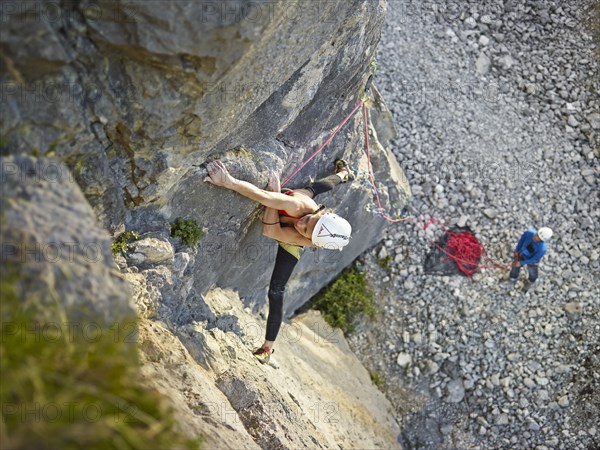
331,232
544,233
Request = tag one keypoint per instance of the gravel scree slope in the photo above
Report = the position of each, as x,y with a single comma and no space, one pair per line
497,110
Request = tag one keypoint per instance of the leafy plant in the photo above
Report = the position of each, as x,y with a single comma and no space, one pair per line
384,263
377,379
65,387
121,244
374,66
188,230
51,149
343,299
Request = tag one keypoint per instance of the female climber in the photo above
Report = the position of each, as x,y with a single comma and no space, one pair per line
295,220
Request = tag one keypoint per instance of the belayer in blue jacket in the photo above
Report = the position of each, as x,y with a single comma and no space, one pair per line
529,251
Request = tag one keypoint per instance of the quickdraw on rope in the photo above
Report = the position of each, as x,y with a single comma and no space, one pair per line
461,247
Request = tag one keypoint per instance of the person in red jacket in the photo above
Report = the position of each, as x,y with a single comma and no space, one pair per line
529,251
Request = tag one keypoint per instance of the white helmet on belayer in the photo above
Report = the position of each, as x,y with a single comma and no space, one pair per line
331,232
544,233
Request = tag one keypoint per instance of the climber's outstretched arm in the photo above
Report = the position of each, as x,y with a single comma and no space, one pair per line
219,176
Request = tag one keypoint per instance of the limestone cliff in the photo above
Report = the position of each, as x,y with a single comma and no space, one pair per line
130,96
314,394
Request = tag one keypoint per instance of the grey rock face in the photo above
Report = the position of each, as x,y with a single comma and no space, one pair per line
138,101
156,98
51,238
299,400
145,90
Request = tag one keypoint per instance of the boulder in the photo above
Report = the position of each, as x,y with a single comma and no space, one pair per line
573,310
151,251
455,391
53,245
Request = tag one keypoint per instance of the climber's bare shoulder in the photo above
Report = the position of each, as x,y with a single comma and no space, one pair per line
303,202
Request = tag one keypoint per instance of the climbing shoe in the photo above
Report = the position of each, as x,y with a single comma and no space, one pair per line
263,354
340,165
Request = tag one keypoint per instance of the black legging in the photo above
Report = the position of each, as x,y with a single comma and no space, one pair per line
323,185
284,266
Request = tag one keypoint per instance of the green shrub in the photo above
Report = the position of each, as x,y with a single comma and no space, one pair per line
344,298
374,66
384,263
66,388
377,379
188,230
121,244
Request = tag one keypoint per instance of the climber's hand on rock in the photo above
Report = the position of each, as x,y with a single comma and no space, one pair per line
274,183
218,175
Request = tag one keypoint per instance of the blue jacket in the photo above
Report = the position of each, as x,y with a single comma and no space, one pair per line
531,251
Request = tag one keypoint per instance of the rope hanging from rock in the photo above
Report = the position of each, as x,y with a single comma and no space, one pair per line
320,149
463,248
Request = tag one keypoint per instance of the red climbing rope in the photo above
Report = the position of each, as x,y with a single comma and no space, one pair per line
465,245
461,247
340,126
370,169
